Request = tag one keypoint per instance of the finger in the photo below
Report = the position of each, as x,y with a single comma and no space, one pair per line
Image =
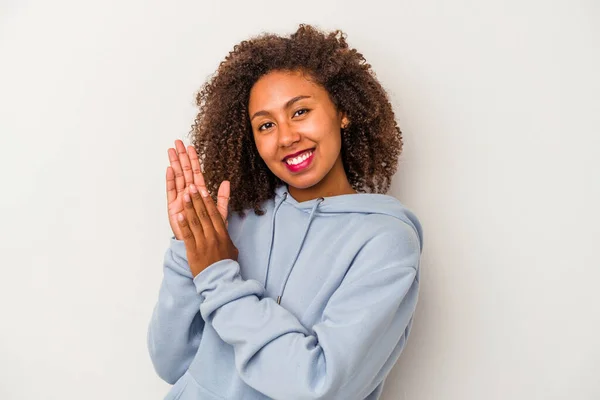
196,170
184,160
186,233
216,219
223,199
179,178
196,226
201,210
171,190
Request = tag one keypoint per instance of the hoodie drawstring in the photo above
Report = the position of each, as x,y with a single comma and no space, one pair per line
310,219
312,213
273,236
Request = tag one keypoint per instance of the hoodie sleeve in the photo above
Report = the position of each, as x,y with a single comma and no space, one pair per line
176,324
348,353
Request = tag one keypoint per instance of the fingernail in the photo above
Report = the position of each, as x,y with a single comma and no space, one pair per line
204,192
186,197
193,188
180,217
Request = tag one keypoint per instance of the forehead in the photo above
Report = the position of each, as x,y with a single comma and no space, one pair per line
272,90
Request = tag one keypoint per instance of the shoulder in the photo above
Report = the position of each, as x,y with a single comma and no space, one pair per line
386,243
381,226
382,231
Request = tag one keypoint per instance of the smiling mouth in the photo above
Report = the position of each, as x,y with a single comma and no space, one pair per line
300,158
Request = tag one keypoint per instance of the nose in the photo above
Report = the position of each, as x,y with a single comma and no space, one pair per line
287,135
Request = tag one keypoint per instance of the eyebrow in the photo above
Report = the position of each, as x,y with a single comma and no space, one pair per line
288,104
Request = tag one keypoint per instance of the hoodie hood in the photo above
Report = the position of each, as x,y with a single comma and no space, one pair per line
363,203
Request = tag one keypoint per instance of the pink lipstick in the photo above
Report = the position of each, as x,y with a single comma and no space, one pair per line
300,162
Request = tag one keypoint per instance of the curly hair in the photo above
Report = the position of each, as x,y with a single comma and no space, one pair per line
222,133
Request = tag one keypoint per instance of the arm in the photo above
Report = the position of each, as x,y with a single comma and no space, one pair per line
362,331
176,325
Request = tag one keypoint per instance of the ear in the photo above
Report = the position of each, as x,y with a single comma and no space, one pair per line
345,121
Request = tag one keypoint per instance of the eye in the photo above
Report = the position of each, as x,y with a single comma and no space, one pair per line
265,126
302,111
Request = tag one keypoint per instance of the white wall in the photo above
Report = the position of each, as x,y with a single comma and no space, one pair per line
499,105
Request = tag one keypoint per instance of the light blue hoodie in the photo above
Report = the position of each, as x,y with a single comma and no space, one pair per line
345,270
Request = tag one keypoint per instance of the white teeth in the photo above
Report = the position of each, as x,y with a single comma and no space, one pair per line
299,159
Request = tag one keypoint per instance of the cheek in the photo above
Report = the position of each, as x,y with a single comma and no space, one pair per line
321,129
314,128
265,147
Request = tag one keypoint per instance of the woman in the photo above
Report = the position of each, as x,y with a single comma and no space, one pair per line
301,281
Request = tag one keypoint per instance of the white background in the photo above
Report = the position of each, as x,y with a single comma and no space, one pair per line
499,105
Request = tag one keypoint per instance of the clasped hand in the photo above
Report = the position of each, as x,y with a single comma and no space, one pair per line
193,215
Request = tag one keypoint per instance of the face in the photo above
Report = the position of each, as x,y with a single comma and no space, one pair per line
296,129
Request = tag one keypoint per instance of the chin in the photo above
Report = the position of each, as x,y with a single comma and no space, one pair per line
303,182
297,186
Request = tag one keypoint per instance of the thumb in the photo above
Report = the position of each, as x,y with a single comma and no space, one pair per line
223,199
